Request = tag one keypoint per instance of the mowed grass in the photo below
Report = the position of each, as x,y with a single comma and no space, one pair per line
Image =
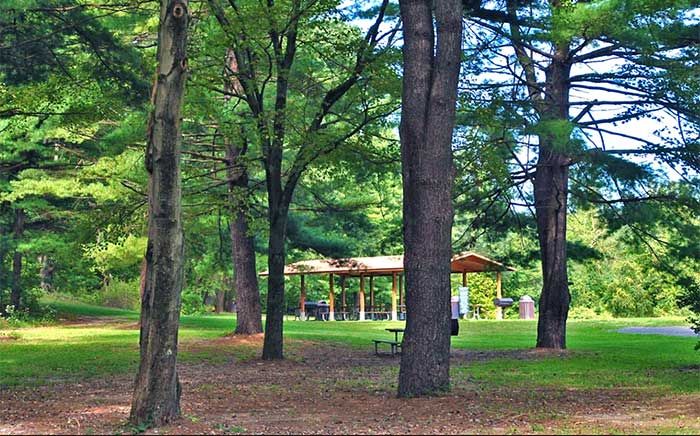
597,356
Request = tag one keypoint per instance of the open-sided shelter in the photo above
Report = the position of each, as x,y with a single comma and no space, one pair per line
370,267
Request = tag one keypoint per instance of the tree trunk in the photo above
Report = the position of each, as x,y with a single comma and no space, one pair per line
273,343
220,296
46,272
551,192
18,230
427,123
156,399
228,299
249,315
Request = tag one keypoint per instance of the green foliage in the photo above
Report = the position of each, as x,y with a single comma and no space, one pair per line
192,302
120,295
112,257
32,310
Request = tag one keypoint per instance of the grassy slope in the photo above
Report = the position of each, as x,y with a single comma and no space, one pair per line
598,357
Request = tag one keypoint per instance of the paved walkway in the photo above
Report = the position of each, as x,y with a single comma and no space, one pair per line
668,331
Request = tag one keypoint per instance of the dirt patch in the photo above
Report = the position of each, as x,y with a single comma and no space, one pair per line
323,388
91,321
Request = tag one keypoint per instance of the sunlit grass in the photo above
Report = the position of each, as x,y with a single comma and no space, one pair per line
597,356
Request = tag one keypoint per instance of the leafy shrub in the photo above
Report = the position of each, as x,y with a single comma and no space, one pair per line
31,310
192,302
580,312
120,294
691,300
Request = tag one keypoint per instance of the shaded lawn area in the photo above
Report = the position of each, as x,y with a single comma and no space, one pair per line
598,357
493,360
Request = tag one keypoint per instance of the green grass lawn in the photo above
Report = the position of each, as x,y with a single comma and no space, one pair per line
598,357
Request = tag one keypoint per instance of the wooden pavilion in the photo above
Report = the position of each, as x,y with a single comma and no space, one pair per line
370,267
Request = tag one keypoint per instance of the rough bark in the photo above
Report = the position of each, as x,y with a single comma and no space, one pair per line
156,399
46,272
18,232
551,191
427,121
273,344
249,313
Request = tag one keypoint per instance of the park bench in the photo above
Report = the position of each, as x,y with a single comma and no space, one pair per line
395,345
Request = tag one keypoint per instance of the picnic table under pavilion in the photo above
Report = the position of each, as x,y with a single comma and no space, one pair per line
370,267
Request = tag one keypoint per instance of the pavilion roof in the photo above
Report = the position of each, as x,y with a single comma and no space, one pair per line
468,262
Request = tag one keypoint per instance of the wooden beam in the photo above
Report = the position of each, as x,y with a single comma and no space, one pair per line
331,298
464,278
362,298
302,300
394,316
371,294
401,302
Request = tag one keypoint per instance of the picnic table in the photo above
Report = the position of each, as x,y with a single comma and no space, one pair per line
395,344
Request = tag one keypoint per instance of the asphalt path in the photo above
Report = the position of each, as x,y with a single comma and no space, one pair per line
667,331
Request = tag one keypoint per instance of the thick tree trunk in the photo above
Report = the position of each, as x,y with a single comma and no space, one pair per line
551,192
18,231
273,343
156,399
427,122
249,316
551,184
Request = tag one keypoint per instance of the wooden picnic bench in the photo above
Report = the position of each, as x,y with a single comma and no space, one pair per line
395,346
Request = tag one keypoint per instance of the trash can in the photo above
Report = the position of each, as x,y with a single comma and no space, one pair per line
454,322
527,307
322,311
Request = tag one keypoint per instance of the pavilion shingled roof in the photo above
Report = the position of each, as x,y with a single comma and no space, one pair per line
384,265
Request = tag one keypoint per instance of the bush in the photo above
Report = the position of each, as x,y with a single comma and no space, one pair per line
30,311
120,294
586,313
192,302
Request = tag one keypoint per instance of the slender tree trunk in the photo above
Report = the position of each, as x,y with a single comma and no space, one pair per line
220,296
551,192
273,343
156,399
46,272
18,232
427,121
249,316
229,296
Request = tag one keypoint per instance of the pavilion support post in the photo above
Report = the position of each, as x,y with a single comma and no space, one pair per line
371,296
343,298
394,316
464,285
362,298
302,300
331,298
499,294
401,302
